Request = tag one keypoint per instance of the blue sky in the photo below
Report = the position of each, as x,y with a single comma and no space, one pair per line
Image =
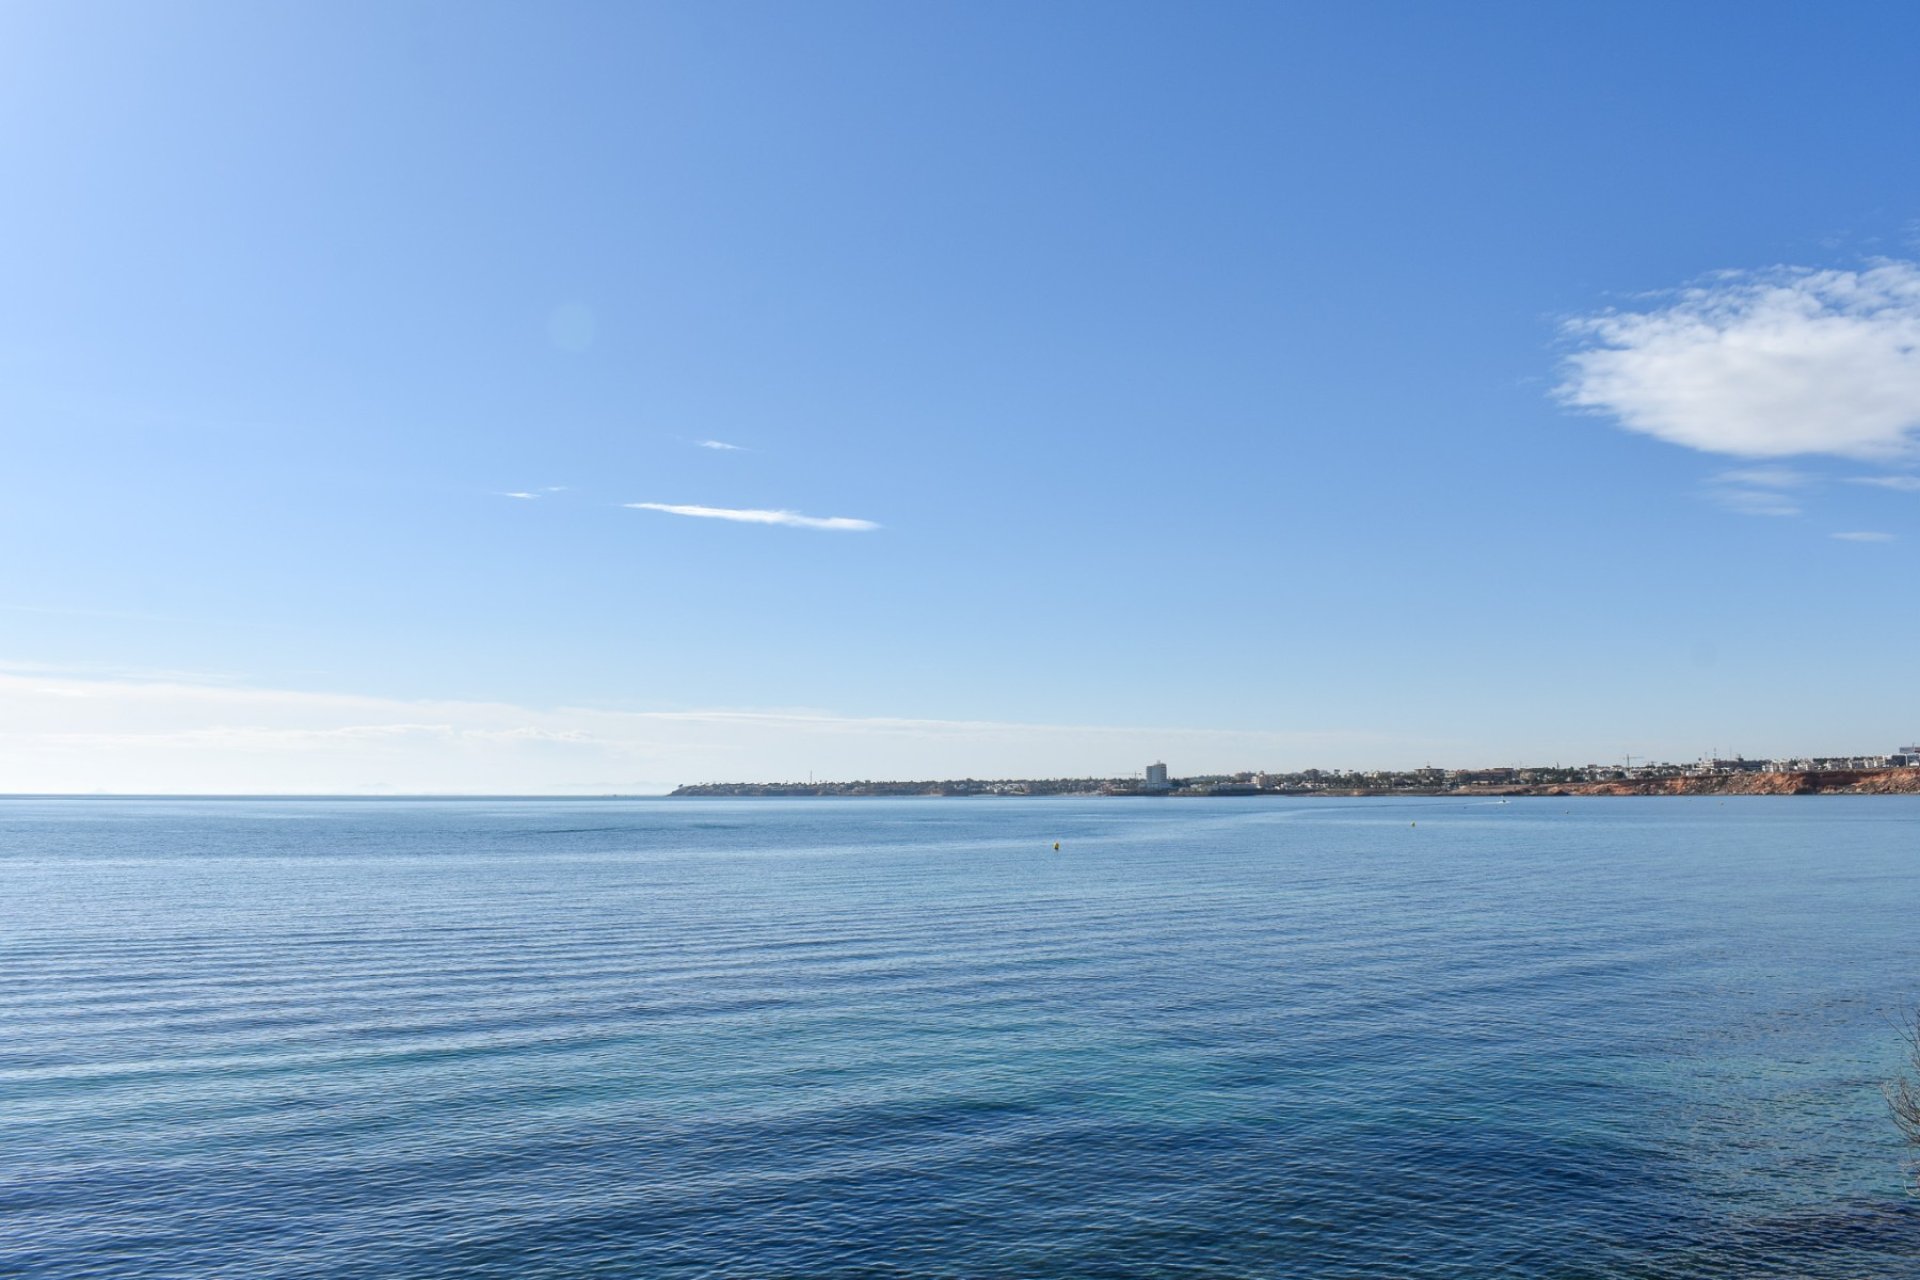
1253,386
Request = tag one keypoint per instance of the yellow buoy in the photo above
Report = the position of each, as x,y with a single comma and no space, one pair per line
1056,846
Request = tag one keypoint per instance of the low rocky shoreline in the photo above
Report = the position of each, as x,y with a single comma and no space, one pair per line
1836,782
1856,782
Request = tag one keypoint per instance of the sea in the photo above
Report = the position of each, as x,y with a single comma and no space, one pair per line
1247,1037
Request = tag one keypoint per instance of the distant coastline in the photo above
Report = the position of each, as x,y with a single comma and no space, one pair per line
1808,782
1902,780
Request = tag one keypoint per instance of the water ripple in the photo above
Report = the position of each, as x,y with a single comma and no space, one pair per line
718,1039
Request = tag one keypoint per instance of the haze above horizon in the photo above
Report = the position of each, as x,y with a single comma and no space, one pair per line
435,398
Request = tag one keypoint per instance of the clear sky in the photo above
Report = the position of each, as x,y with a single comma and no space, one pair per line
555,397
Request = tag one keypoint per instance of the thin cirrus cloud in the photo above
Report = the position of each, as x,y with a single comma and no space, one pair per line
721,445
1754,502
1791,361
1766,477
1862,535
1900,484
1758,491
747,515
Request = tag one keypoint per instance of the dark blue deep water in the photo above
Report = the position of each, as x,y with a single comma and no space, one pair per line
1589,1038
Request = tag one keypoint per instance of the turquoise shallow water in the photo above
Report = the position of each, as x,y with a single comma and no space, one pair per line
1590,1038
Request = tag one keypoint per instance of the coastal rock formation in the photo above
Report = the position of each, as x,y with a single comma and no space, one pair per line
1801,783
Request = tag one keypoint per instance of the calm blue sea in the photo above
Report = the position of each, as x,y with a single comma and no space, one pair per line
1553,1038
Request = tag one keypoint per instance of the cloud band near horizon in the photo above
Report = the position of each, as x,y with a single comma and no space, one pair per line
75,732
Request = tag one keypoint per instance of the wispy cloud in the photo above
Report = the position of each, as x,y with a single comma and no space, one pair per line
1790,361
85,732
1862,535
1754,502
1758,491
1903,484
522,495
793,519
722,445
1766,478
110,671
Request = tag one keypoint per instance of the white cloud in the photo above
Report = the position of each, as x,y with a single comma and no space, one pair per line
1863,536
1766,478
81,732
721,444
524,497
1754,502
1758,491
1792,361
1903,484
793,519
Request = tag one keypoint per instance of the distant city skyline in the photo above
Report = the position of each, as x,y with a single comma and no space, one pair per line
499,399
1884,773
